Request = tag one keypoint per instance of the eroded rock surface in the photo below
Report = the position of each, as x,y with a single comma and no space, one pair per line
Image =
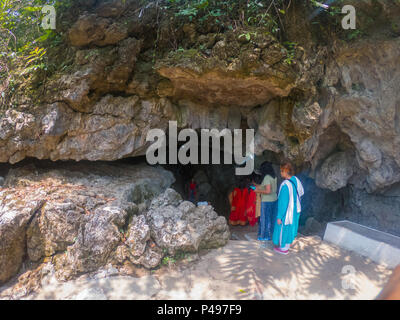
74,209
15,215
235,74
181,226
80,218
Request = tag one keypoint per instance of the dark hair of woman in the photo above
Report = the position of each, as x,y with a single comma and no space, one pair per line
266,169
242,184
257,178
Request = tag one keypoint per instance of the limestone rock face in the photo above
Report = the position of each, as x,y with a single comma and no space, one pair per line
197,116
335,171
270,134
180,226
366,112
54,229
305,106
15,215
369,113
306,118
235,73
94,244
95,30
74,213
96,72
112,8
138,235
380,211
117,128
82,217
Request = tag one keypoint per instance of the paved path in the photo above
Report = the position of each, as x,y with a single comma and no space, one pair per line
242,270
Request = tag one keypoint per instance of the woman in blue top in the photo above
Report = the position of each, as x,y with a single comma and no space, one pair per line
289,208
267,189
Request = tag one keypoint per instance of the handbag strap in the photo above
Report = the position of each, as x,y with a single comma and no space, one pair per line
298,197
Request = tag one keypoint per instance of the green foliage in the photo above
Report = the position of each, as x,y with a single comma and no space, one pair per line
232,13
291,51
247,35
34,60
354,34
330,19
169,260
24,43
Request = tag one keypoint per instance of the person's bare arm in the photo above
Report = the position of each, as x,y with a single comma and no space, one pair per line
230,197
392,289
263,189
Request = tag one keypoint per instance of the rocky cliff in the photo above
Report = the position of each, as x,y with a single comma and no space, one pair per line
329,101
333,108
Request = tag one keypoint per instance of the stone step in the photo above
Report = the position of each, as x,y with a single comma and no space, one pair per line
379,246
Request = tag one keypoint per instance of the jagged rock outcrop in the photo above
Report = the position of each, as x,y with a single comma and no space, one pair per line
116,129
82,217
234,74
74,210
15,216
94,30
173,226
335,172
180,226
363,103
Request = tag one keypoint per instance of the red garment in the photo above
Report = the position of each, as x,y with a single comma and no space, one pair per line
242,205
192,187
236,196
251,208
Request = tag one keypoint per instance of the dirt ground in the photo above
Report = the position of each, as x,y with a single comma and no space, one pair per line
243,269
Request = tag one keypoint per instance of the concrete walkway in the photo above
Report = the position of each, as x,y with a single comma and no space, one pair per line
242,270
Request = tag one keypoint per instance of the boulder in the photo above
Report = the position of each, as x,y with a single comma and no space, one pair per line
94,30
83,218
17,209
55,228
180,226
75,214
312,226
335,172
97,240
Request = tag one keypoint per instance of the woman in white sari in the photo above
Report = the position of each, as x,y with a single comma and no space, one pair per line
289,208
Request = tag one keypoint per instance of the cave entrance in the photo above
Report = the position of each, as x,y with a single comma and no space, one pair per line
216,181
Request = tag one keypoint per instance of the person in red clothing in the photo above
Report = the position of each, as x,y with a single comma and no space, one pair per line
243,205
192,191
251,205
236,195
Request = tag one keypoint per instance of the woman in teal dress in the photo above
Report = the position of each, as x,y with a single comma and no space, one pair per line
289,208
